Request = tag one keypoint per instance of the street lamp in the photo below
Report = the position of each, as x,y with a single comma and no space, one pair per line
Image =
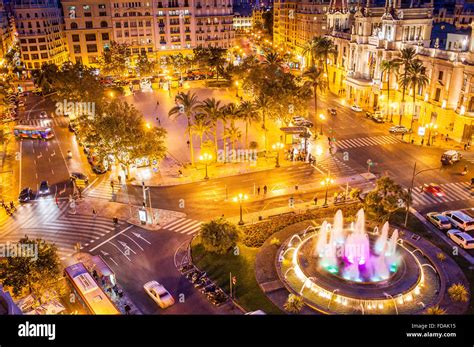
322,118
276,147
430,127
240,199
148,125
206,158
326,182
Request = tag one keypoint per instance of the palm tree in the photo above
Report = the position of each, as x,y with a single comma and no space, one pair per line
187,105
320,48
310,49
415,78
273,59
435,310
248,115
213,110
262,104
233,134
314,77
407,56
388,67
4,139
458,292
201,127
232,112
294,303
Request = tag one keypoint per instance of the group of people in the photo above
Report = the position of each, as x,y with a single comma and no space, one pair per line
264,190
9,209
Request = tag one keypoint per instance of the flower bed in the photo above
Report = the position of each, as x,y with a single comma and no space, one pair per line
254,235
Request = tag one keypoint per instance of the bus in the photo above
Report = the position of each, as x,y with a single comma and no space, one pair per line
33,132
88,291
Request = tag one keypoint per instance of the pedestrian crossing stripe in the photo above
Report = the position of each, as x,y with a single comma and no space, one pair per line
335,165
452,192
46,122
103,190
367,141
183,226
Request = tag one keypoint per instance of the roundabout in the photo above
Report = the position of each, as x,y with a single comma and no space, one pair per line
346,269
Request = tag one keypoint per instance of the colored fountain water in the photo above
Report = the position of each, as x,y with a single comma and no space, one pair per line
349,252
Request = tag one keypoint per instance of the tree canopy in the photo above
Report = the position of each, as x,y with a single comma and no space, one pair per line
218,236
386,198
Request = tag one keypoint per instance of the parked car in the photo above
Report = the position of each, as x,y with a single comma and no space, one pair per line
398,129
43,114
356,108
79,178
159,294
26,195
43,188
461,238
332,111
433,189
460,220
302,122
438,220
450,157
258,312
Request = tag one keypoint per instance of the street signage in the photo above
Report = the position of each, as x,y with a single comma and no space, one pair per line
142,215
421,131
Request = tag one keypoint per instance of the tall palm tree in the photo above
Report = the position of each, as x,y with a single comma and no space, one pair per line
213,110
320,49
201,127
262,104
232,112
233,134
388,67
314,78
273,59
4,139
310,49
187,105
248,114
415,78
407,56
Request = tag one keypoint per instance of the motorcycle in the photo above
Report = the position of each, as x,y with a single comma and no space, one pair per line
69,154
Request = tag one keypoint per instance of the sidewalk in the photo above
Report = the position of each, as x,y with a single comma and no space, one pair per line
9,169
168,172
128,213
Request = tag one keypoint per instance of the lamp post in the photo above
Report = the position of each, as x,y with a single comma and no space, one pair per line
321,118
240,199
169,85
430,127
276,147
326,182
206,158
237,89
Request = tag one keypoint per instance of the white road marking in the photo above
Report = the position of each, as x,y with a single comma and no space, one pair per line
113,244
111,238
133,241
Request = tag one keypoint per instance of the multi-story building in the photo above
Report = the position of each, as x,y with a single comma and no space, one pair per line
374,32
296,22
6,30
161,27
457,12
40,28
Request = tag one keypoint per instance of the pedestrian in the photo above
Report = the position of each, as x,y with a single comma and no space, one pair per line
12,205
94,213
315,200
57,200
422,141
296,187
188,143
447,137
119,179
465,146
264,189
115,219
112,185
258,190
159,120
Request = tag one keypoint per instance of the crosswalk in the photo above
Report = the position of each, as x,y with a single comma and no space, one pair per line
46,122
367,141
103,190
454,191
335,166
184,226
45,220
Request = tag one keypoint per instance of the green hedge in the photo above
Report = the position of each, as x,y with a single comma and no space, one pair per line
254,235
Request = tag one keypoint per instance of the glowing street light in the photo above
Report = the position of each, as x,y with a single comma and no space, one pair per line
148,125
327,181
322,118
237,88
276,147
206,158
240,199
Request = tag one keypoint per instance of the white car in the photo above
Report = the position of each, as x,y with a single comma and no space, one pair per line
439,221
356,108
159,294
461,238
398,129
255,313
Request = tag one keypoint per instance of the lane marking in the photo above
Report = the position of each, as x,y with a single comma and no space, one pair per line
111,238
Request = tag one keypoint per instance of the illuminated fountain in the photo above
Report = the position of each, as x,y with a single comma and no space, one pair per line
348,269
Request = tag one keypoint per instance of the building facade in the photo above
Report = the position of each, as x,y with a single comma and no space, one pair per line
40,28
7,30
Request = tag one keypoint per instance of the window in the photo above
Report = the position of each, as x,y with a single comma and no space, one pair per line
86,7
44,55
73,25
92,48
437,94
26,57
34,57
75,38
88,25
103,24
102,6
33,48
43,48
440,75
31,40
105,36
118,25
77,49
90,37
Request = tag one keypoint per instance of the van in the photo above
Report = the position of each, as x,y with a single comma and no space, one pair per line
450,157
463,239
460,220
